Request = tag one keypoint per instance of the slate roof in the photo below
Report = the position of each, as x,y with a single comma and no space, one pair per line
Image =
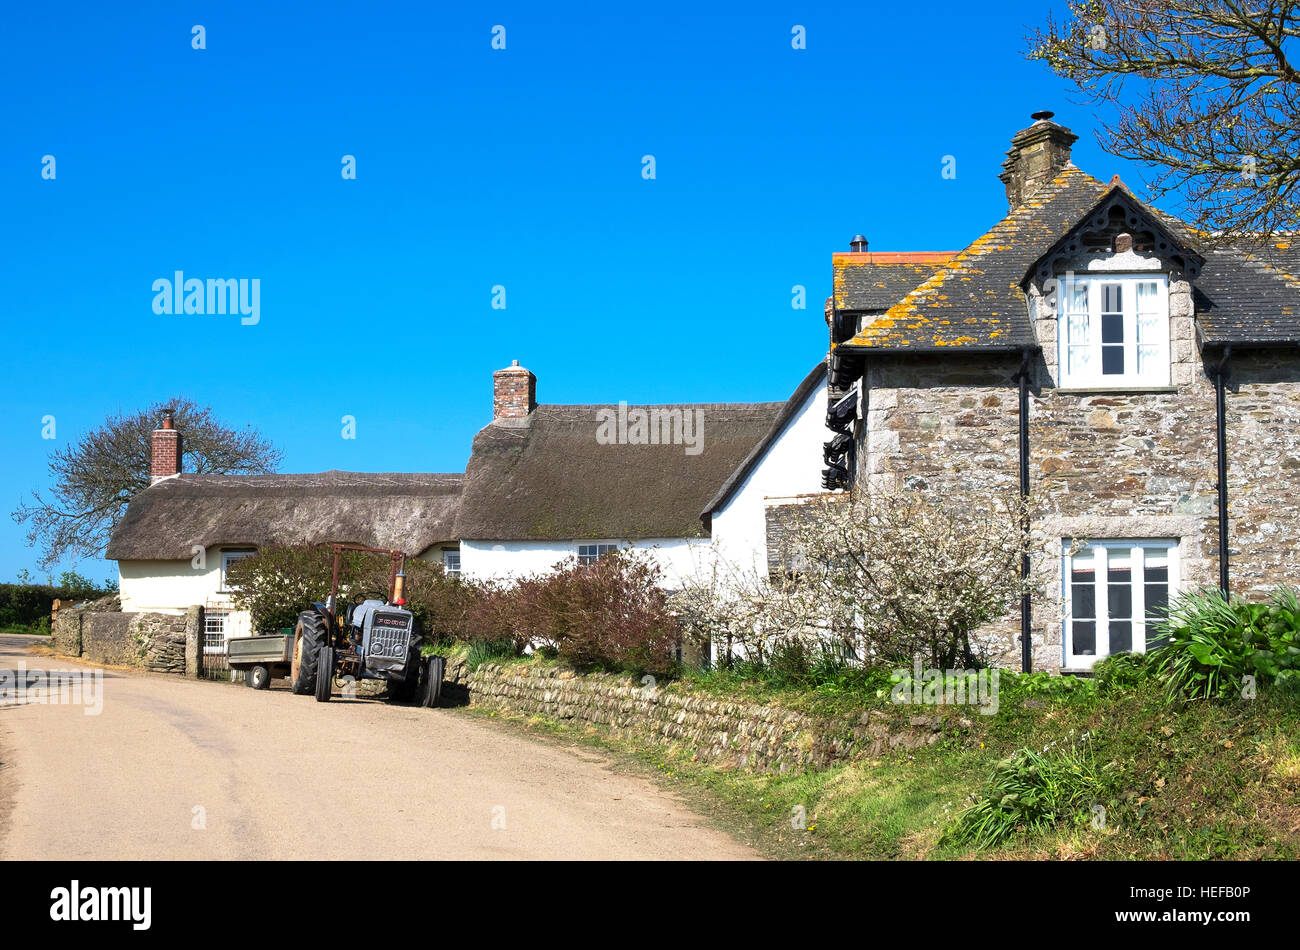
550,479
815,379
867,280
1245,293
410,512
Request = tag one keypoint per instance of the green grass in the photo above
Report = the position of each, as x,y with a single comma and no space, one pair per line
1205,780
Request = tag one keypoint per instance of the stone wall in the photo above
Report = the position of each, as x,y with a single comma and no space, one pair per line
731,734
158,642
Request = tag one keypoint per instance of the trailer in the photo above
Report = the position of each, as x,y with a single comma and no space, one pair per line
262,658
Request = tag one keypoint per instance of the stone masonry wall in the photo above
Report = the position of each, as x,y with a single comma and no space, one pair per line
732,734
156,642
1109,464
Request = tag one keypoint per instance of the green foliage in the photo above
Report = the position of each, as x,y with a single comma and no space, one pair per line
486,651
1030,792
1213,642
1046,685
26,605
1122,671
278,582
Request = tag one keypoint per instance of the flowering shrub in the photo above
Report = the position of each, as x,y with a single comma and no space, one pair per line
898,576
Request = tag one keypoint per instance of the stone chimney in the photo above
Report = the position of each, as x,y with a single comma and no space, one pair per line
1037,155
514,393
165,460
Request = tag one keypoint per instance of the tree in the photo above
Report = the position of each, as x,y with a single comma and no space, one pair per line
1204,90
95,477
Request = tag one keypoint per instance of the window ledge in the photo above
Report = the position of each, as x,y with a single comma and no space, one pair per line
1112,390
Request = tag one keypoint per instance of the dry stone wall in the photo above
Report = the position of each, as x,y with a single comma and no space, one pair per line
158,642
732,734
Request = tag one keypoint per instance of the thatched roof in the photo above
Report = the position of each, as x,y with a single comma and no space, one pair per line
409,512
550,478
815,379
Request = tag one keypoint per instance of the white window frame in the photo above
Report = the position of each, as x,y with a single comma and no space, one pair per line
450,572
228,558
1092,377
215,624
1137,550
602,547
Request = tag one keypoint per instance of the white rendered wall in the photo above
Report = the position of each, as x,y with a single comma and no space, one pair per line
506,560
790,466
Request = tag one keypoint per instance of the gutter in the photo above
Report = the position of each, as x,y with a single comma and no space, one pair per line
1221,441
1026,606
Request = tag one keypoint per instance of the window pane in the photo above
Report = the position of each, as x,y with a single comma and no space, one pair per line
1083,590
1077,299
1149,363
1112,328
1121,636
1112,298
1148,296
1112,360
1156,590
1077,325
1080,359
1085,638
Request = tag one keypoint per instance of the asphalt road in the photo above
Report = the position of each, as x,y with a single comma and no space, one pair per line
179,769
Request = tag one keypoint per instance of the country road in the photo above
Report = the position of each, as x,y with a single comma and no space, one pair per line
270,775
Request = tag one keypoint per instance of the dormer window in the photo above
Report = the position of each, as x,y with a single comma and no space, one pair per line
1113,331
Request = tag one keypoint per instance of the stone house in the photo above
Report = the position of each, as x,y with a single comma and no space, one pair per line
1142,378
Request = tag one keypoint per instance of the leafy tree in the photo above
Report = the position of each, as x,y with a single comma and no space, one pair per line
94,478
1204,91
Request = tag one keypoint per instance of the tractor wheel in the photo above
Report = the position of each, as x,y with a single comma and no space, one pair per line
324,674
308,637
431,681
258,677
404,691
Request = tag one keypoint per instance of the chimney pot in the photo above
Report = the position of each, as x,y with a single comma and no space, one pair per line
858,244
514,392
166,450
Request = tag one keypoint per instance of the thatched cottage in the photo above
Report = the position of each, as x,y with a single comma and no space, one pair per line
1089,347
548,482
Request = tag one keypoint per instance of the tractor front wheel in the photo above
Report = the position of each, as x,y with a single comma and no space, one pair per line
324,674
432,672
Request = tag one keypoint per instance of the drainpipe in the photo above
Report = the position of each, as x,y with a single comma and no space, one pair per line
1026,607
1221,435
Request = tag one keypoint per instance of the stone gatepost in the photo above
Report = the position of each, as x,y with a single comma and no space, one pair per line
194,641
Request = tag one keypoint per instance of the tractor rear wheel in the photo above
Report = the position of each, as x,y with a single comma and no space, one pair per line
308,638
432,672
324,674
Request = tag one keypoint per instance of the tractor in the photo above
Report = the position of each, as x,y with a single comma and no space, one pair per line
374,637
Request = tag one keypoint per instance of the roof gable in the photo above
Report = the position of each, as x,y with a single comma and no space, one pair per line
815,380
974,301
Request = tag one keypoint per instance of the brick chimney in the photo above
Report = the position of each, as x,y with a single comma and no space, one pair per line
514,393
165,460
1037,155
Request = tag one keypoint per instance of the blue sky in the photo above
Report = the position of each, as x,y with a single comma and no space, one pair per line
475,167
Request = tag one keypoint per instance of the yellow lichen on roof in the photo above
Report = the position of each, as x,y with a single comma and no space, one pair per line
929,296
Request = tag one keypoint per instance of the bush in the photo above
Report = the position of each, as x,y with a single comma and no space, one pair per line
279,582
1214,641
26,604
1122,671
1030,792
